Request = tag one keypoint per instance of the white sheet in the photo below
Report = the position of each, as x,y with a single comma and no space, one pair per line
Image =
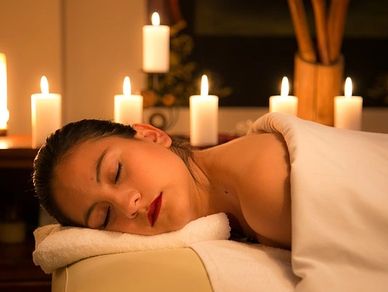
234,266
339,191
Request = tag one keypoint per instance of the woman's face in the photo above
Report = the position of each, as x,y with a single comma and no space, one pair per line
135,185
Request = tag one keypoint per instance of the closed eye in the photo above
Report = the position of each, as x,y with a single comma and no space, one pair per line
107,218
118,172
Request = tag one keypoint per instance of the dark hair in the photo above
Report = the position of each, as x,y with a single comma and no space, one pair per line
59,143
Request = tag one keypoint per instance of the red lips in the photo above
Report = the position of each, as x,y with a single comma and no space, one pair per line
154,209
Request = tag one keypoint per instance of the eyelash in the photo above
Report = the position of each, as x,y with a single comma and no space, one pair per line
107,217
116,179
118,172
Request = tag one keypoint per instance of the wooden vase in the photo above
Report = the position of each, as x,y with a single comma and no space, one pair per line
316,85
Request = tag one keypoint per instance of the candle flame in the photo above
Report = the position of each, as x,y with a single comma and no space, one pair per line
348,87
44,86
155,19
204,86
127,86
285,88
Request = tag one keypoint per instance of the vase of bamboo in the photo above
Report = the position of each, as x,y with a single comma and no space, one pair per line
318,68
316,85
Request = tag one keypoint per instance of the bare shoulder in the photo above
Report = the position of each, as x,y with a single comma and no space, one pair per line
267,164
264,191
263,149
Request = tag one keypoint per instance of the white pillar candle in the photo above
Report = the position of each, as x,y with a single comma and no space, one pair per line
204,117
284,103
156,46
4,114
348,109
128,108
45,113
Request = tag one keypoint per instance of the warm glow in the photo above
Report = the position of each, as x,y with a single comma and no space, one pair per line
127,86
4,114
4,117
285,88
348,87
44,86
4,145
155,19
204,86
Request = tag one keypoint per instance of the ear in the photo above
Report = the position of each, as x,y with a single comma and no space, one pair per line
150,133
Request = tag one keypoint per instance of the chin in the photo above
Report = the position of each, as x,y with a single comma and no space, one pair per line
178,224
186,219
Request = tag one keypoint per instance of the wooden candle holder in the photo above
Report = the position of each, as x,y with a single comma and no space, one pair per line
316,85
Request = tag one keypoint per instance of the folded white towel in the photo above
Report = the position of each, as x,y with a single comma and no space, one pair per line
57,246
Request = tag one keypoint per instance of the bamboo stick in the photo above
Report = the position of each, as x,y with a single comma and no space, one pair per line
298,16
336,26
321,30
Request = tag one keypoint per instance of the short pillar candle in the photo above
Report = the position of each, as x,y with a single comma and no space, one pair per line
204,117
128,107
156,46
348,109
284,103
45,113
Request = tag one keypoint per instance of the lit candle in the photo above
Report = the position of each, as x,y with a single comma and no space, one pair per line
204,117
128,108
45,113
348,109
4,114
156,46
284,103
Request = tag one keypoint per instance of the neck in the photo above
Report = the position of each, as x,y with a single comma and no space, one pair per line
215,176
208,175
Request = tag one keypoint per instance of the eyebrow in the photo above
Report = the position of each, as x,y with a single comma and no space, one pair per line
98,164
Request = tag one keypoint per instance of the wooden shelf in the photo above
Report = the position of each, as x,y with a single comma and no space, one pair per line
17,271
16,263
16,152
15,142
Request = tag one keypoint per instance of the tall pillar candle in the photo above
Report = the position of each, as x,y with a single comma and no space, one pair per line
284,103
4,114
348,109
45,113
204,117
156,46
128,107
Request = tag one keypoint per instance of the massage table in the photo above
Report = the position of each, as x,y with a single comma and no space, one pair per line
176,269
339,210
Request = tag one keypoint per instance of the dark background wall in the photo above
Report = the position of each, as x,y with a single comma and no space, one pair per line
248,46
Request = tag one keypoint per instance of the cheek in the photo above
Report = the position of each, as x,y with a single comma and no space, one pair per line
181,207
169,168
70,207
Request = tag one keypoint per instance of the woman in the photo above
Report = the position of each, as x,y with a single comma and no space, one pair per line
114,177
104,175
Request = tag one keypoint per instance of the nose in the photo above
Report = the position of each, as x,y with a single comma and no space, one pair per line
133,204
129,204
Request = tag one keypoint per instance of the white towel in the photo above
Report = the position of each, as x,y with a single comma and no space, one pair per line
58,246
